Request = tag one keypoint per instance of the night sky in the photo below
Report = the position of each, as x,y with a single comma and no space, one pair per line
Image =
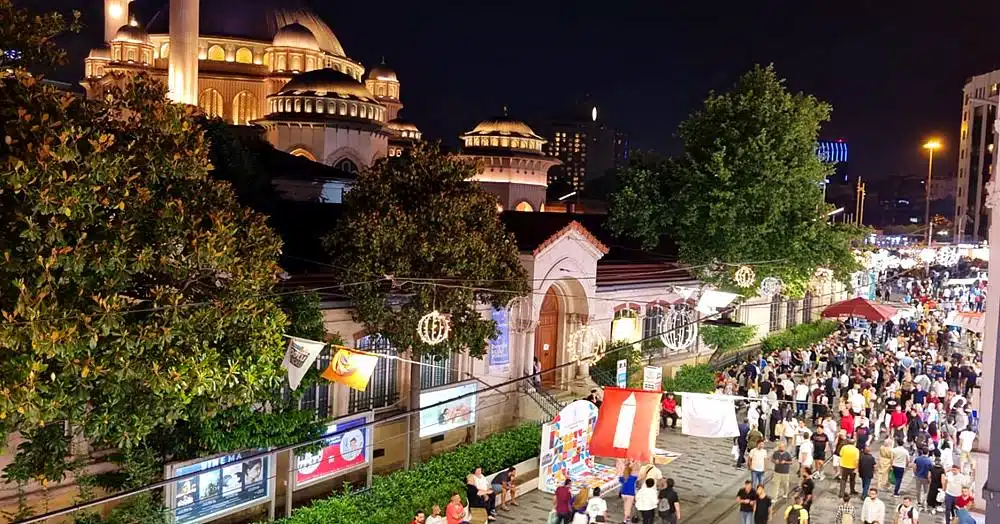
893,71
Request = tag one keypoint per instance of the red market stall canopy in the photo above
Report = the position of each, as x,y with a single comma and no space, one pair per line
860,307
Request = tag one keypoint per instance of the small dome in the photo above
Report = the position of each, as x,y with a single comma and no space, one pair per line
504,126
327,82
131,33
382,72
400,125
297,36
100,52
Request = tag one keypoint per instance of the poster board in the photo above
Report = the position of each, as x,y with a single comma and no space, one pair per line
238,484
652,378
453,415
349,450
498,347
565,451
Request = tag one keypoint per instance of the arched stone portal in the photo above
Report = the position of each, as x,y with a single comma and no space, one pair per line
564,308
547,336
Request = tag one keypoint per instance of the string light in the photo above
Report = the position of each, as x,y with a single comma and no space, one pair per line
744,277
587,344
677,328
433,328
947,257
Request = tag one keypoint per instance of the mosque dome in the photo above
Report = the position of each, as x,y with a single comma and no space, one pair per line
259,20
296,35
506,133
131,33
504,126
382,72
327,83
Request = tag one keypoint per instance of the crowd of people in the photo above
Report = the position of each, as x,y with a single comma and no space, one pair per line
872,402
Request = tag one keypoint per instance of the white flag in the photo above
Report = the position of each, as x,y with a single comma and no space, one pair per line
299,357
712,416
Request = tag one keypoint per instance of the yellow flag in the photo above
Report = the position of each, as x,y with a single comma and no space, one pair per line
351,368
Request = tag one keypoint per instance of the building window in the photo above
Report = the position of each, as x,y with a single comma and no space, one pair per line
346,165
165,50
244,108
244,56
210,102
625,326
216,52
435,372
266,59
652,321
775,321
791,313
807,308
382,387
523,206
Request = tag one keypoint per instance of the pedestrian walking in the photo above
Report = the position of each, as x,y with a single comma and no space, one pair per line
900,460
757,459
845,511
866,469
746,497
762,508
782,461
873,509
849,457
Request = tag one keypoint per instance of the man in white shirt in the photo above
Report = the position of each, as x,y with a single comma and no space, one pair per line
806,450
857,401
954,481
596,506
801,399
788,386
900,460
873,510
646,499
940,388
758,458
906,513
965,440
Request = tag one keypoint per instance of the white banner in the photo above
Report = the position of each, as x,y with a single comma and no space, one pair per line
299,357
712,416
652,378
712,301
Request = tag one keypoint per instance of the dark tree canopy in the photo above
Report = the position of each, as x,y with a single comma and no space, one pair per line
748,188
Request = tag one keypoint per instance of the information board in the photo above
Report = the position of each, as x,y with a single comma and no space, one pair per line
239,483
452,415
349,449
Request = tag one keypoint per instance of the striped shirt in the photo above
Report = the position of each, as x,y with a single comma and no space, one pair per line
842,510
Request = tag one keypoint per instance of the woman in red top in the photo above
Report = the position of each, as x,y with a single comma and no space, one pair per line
847,423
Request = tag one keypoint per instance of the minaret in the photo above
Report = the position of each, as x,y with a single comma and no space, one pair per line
115,16
182,69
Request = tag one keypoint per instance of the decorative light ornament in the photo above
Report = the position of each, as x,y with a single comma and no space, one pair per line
770,286
587,344
678,329
519,313
947,257
433,328
744,277
860,279
927,255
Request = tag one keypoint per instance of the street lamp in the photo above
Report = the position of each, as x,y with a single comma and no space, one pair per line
931,146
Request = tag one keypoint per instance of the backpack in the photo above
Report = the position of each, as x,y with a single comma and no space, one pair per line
794,516
663,506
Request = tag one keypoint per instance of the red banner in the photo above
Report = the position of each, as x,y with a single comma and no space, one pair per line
348,449
626,424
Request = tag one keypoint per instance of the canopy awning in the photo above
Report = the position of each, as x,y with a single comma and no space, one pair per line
861,307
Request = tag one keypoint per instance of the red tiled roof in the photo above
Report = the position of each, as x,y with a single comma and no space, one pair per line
572,226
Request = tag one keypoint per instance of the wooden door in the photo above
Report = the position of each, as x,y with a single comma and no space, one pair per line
547,336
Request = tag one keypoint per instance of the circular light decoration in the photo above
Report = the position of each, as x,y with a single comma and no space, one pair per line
519,314
947,257
433,328
770,286
744,277
678,329
927,255
587,344
859,279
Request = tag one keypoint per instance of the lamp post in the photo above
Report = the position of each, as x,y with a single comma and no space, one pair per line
931,146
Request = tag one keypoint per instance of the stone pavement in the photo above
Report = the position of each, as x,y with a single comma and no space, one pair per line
704,473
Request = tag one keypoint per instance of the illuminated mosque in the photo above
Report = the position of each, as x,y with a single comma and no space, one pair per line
275,64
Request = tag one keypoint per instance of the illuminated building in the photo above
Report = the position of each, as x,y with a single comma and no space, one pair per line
975,155
586,148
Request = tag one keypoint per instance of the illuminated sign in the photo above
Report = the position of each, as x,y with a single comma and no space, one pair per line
450,415
238,484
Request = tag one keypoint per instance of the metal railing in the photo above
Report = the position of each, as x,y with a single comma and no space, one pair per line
719,361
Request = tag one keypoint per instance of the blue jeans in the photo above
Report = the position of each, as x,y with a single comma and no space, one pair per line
756,478
898,473
746,517
949,507
865,484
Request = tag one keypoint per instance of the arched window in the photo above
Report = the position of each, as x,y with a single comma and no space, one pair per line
523,206
281,62
651,322
267,59
381,90
244,108
244,56
216,52
165,50
210,102
296,63
131,55
346,165
625,326
302,152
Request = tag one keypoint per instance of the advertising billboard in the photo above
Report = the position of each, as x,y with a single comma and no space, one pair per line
348,450
498,347
238,484
452,415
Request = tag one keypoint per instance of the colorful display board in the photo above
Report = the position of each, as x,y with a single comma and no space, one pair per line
238,484
498,347
349,449
452,415
565,451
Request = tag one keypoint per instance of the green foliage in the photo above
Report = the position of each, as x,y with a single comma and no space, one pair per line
305,318
236,158
799,336
395,497
419,216
698,378
27,39
727,338
747,188
605,370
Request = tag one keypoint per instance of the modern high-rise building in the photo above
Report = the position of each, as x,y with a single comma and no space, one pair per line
975,155
587,148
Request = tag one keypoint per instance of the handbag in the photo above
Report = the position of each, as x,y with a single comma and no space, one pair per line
553,517
940,496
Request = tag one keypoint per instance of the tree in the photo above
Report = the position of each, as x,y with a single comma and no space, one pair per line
748,187
418,221
27,39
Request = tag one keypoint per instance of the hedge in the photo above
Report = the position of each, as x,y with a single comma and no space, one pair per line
798,336
727,338
396,497
697,378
